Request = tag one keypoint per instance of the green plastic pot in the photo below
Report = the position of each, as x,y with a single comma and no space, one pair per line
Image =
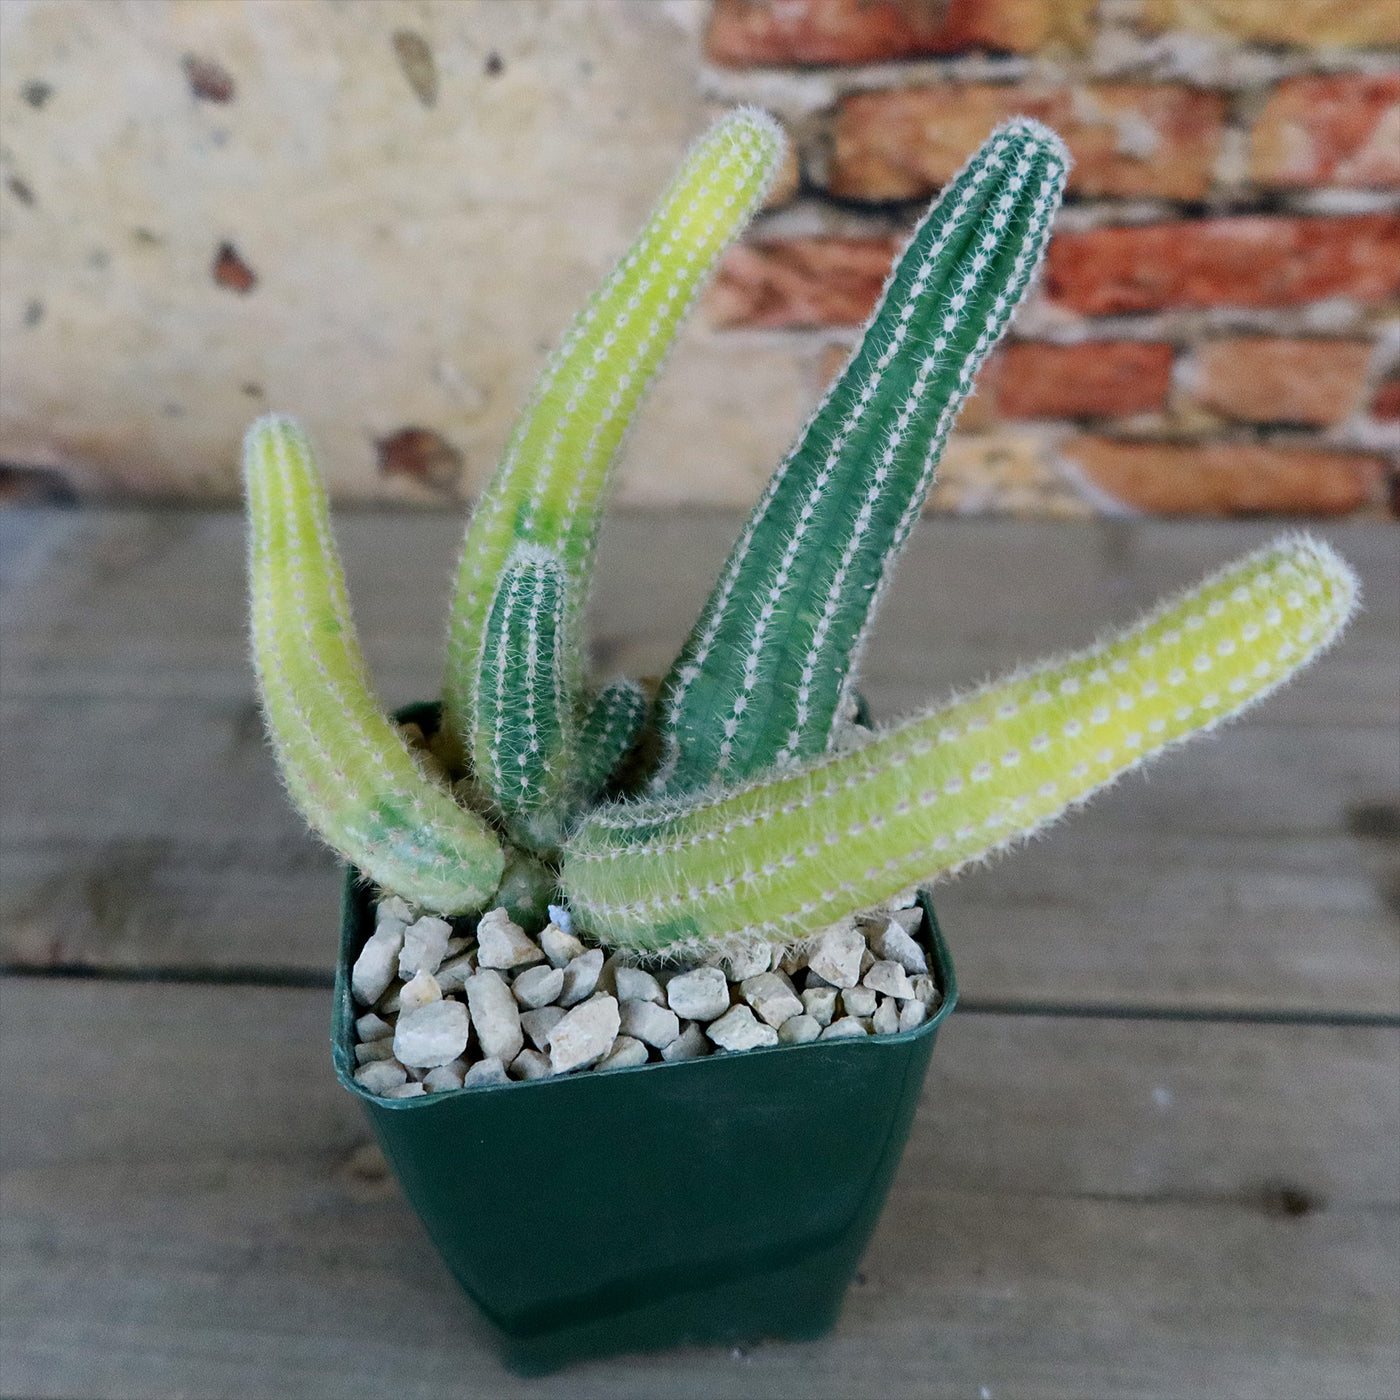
718,1200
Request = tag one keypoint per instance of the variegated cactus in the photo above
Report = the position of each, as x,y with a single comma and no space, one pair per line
754,809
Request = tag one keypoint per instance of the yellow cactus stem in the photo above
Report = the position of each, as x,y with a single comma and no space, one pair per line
784,857
346,766
550,485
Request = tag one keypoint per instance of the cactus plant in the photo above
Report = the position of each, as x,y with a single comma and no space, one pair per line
754,808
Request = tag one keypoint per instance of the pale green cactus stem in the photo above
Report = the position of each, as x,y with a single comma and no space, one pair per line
607,734
792,854
522,746
346,766
766,674
550,485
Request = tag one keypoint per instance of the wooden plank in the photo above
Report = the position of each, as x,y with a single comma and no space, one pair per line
143,825
151,603
1086,1208
154,834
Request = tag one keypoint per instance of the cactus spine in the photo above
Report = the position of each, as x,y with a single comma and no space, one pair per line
345,765
763,677
782,857
549,488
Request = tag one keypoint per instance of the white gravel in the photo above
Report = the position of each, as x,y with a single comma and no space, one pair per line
455,1006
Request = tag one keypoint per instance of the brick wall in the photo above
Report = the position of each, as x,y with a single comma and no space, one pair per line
1216,331
379,217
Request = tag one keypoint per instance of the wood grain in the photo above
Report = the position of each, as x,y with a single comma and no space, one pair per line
144,827
1085,1208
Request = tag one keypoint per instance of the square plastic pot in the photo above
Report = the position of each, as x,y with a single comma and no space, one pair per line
718,1200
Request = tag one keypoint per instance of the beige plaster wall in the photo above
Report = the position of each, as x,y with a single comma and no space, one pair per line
421,192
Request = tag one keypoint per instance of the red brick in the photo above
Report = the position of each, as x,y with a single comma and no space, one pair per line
1340,129
1261,380
1386,404
1254,260
1126,138
1089,380
800,282
1306,23
1227,478
745,33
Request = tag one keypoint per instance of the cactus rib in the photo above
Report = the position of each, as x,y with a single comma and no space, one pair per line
608,734
791,854
346,767
522,744
549,487
764,676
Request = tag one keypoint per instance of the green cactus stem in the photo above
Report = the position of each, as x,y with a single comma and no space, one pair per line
765,677
345,765
522,743
784,857
607,735
550,485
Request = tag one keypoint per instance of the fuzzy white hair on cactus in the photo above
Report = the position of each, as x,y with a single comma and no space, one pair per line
737,804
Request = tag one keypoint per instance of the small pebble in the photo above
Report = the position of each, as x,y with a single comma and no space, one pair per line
607,978
657,1025
837,957
501,943
700,995
844,1029
393,910
538,1024
530,1064
443,1077
560,946
798,1030
585,1035
890,980
372,1027
820,1004
926,990
561,919
747,962
404,1091
379,1076
581,977
489,1071
378,961
495,1015
431,1035
637,984
894,944
859,1001
772,997
538,986
690,1044
452,975
424,946
459,945
912,1014
740,1029
367,1050
625,1054
419,990
886,1018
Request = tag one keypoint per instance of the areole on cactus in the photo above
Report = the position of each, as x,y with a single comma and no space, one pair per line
755,809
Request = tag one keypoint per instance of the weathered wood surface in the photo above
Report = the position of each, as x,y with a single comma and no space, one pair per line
144,826
1092,1203
1086,1208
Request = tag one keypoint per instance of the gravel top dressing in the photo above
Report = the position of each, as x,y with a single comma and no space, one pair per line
453,1004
